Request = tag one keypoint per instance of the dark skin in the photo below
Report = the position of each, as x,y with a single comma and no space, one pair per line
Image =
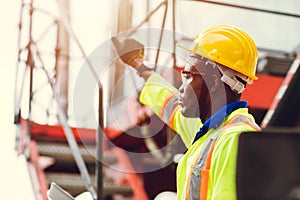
207,91
210,92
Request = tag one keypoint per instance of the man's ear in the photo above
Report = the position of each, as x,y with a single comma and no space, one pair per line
215,83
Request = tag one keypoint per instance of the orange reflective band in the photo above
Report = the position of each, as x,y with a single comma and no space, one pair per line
171,121
243,122
205,174
251,125
163,106
234,118
187,191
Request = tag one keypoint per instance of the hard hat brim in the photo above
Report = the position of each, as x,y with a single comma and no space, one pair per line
204,54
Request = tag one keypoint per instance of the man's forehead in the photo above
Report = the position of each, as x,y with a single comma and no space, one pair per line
199,63
195,61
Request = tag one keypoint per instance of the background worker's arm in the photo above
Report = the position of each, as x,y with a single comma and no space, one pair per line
157,93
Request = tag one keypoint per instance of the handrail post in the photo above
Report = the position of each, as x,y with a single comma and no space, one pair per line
99,174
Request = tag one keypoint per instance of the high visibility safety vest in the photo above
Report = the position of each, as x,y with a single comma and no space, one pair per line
208,168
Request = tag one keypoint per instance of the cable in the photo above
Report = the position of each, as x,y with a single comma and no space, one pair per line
249,8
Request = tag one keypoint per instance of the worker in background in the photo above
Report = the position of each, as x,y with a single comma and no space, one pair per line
206,111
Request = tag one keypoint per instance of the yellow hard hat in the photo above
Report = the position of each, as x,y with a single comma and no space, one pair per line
229,46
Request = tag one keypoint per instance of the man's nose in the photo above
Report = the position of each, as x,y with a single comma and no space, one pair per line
181,88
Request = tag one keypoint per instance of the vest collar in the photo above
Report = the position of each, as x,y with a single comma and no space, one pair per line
215,120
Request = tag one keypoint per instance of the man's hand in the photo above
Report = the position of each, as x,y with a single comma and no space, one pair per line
130,51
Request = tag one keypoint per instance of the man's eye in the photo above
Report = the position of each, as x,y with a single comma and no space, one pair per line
187,76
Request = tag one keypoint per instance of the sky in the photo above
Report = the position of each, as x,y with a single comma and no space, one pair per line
9,19
14,180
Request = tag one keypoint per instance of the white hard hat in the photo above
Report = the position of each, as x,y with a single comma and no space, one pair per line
167,195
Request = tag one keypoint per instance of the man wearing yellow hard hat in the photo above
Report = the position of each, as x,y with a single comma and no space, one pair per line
209,115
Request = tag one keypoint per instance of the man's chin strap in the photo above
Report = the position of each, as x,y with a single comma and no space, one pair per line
233,83
229,77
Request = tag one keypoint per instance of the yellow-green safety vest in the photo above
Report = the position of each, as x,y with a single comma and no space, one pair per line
208,168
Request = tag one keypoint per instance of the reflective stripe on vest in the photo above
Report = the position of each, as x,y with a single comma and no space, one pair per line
168,108
199,176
